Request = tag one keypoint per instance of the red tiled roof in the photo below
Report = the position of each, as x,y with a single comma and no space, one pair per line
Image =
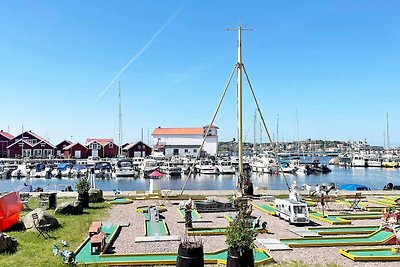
6,135
102,141
178,131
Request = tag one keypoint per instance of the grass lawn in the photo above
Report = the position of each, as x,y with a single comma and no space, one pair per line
37,251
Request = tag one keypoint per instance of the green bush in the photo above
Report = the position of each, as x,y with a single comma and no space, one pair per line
83,185
240,234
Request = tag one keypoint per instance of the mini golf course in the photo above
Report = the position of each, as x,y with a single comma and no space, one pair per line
373,254
380,237
349,230
83,255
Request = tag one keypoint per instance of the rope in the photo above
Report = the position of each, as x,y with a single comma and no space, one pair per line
208,128
265,127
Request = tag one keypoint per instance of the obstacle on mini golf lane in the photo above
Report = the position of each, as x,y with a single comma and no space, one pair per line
84,256
380,237
371,254
144,208
362,205
195,215
120,200
348,230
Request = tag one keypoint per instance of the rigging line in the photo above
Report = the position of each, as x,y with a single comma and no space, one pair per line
208,128
265,126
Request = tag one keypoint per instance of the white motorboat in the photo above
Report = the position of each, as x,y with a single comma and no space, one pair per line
136,162
79,170
358,160
225,167
102,169
20,172
171,168
62,170
206,167
40,171
287,168
374,161
124,168
148,165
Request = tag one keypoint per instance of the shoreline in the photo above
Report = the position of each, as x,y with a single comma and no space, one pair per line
220,193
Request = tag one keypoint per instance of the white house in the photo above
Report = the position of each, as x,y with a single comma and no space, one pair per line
185,141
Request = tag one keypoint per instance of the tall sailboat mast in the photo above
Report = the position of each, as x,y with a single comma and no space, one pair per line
298,133
387,131
239,106
119,121
255,132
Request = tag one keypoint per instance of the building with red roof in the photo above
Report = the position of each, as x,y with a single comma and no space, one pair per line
75,150
5,139
29,144
102,147
185,141
136,149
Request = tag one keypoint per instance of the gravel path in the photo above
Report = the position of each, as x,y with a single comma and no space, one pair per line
277,228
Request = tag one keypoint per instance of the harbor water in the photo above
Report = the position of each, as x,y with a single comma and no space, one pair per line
375,178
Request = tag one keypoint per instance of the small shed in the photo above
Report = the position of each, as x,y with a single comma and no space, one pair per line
137,149
76,151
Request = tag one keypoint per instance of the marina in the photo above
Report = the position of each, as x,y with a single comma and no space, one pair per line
375,178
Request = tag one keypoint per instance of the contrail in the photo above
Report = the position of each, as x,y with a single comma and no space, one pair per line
138,54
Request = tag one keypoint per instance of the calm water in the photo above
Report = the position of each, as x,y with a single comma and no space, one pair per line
375,178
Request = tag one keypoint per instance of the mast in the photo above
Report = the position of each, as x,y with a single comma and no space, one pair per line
255,132
120,120
261,137
239,67
387,130
298,134
239,108
277,131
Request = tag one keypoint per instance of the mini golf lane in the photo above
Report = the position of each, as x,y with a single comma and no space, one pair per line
154,228
215,231
265,207
83,255
349,230
329,218
195,215
121,200
380,237
378,254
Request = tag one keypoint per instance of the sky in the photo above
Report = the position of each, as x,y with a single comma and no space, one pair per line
336,62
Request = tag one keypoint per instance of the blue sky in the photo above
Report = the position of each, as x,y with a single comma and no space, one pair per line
337,62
